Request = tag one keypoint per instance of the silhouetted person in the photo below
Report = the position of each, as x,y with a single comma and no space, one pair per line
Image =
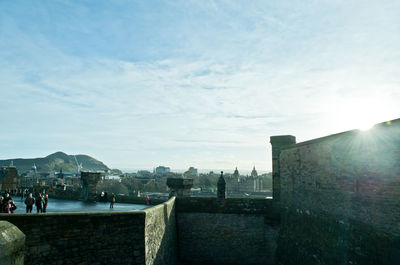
112,200
1,204
45,202
7,197
38,203
29,201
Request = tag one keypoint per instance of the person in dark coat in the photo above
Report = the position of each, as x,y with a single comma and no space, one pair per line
39,203
1,204
45,202
112,200
29,201
7,197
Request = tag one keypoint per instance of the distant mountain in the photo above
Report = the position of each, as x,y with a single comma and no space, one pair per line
54,162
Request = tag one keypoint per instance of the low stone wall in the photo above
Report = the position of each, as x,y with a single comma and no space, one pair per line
88,238
230,205
98,238
230,231
160,234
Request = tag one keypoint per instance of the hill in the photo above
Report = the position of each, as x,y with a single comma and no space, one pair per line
54,162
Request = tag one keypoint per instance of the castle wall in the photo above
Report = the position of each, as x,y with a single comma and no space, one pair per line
230,231
160,234
99,238
340,199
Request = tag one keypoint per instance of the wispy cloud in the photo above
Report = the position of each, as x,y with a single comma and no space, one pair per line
188,82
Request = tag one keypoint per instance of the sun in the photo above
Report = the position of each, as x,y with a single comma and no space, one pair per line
358,113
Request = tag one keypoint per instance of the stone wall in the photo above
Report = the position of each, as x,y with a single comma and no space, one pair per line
98,238
88,238
230,231
160,234
340,198
65,194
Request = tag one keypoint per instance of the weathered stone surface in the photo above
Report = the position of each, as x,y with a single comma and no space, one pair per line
81,237
160,234
89,182
341,199
215,238
228,206
231,231
179,187
140,237
12,244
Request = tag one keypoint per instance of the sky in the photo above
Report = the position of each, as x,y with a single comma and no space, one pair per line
137,84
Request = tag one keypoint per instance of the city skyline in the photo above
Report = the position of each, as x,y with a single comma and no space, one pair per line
191,83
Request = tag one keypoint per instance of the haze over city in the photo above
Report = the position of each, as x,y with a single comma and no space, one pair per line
137,84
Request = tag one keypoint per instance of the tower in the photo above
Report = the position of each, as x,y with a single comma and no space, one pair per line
221,186
278,142
254,173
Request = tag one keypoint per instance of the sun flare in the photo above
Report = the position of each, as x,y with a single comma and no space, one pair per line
360,114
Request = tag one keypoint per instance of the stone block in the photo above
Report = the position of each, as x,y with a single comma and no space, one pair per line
12,244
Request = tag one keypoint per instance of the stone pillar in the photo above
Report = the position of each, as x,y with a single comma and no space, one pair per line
179,187
277,142
221,192
89,183
12,244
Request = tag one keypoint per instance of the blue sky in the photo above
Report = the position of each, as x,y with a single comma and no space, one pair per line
139,84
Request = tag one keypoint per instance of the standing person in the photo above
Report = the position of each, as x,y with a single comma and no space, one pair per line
147,200
29,201
38,203
112,200
22,195
45,202
8,207
7,197
1,204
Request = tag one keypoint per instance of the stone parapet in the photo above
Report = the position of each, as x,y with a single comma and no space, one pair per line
179,187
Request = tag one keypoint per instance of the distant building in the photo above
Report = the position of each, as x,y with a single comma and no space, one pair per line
236,184
162,170
254,173
191,172
9,178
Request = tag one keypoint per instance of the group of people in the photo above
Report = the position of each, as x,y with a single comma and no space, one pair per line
40,201
104,198
7,204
